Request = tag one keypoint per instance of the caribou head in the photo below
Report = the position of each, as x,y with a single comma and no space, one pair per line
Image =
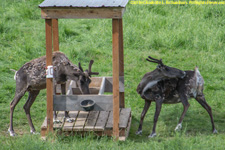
160,73
163,71
84,78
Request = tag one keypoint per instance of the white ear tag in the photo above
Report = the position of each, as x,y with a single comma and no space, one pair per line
49,72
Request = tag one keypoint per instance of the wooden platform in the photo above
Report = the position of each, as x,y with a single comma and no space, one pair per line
99,122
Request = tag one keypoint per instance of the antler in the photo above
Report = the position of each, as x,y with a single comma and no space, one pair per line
154,60
89,69
80,67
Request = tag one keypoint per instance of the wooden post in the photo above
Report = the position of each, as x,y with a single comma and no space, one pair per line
55,34
49,83
116,96
121,60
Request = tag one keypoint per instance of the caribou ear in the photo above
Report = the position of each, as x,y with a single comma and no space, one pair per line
80,67
77,73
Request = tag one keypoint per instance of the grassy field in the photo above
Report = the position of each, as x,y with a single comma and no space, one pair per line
184,36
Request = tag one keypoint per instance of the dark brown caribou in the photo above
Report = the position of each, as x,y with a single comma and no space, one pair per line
170,85
31,78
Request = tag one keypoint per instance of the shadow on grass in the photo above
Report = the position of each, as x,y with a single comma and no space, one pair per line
196,121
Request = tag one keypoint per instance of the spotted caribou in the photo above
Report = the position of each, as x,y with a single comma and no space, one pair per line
31,78
166,85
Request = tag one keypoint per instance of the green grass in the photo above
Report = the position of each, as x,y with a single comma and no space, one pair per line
184,36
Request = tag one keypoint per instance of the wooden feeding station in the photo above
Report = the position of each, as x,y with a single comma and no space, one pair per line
109,116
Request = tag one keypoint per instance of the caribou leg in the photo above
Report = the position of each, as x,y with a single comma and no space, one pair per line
202,101
27,105
186,106
55,120
157,112
146,107
13,104
67,117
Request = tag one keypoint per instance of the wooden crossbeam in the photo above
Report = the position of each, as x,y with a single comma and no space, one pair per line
88,13
72,102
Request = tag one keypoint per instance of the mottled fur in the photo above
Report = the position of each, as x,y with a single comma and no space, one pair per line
174,90
31,77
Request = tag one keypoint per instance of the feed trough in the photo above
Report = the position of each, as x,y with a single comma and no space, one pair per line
101,94
99,119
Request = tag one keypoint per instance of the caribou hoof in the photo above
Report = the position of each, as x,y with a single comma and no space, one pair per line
11,133
215,131
56,121
178,127
152,135
34,132
139,132
69,120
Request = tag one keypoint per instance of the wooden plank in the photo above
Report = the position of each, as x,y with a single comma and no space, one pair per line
124,132
101,122
55,34
91,121
116,100
76,91
44,128
121,61
80,122
124,117
129,125
49,83
109,84
91,13
72,102
109,124
94,90
68,126
69,85
44,124
123,137
124,114
60,117
102,87
121,55
95,82
122,102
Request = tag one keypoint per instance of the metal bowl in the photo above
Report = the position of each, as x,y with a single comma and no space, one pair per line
87,104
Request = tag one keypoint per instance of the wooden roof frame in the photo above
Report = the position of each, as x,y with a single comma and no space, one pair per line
82,13
51,16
